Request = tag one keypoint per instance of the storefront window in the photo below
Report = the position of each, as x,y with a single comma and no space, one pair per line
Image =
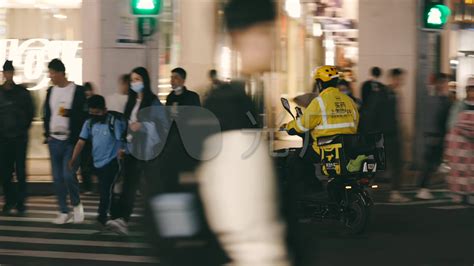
32,33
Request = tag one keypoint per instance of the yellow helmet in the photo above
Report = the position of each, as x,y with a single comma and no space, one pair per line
326,73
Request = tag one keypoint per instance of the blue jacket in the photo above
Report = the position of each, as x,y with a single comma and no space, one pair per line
148,143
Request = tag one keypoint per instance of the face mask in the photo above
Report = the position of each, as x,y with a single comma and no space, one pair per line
137,86
98,118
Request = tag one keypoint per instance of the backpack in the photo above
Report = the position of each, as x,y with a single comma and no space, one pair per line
114,116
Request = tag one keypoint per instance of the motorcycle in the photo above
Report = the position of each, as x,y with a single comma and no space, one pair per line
345,197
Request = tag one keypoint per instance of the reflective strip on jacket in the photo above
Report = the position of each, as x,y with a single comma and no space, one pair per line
331,113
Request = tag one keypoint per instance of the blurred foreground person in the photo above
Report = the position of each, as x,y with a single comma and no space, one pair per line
239,190
435,125
228,205
460,148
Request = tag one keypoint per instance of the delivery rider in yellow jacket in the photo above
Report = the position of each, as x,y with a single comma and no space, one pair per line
331,113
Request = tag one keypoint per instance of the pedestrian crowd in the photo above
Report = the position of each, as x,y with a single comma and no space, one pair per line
133,144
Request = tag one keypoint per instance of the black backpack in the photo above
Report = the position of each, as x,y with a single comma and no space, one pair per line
114,116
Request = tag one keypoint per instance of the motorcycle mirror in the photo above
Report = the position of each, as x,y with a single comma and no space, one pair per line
299,112
287,107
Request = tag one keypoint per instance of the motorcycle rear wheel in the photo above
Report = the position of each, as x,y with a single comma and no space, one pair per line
357,215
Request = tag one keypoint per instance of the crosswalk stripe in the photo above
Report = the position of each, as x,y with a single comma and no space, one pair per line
34,236
77,256
55,206
47,220
423,202
49,241
450,207
411,191
56,230
48,230
90,214
28,219
54,201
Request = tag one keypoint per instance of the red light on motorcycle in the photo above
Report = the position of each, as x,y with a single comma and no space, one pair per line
364,181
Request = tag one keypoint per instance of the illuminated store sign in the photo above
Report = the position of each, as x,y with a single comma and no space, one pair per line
31,57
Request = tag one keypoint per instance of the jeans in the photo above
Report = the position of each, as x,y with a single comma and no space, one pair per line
65,180
107,176
13,159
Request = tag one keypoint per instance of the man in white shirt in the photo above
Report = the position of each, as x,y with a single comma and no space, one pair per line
64,115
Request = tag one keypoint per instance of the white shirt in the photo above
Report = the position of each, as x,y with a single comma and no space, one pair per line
60,100
178,91
116,102
240,198
134,114
134,117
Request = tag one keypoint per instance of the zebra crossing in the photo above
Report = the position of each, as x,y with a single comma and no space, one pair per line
34,240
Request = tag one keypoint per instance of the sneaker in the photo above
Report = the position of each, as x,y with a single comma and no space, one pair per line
102,220
424,194
63,218
7,209
397,197
78,214
118,225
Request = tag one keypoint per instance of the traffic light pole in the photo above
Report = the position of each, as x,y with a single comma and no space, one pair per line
428,63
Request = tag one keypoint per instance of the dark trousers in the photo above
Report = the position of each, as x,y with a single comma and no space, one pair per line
87,167
107,176
394,160
132,173
431,160
13,159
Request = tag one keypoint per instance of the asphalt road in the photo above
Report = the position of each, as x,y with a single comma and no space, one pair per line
421,233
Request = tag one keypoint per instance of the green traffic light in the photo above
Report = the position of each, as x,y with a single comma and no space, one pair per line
437,16
434,16
146,7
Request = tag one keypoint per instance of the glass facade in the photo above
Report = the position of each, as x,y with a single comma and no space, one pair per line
32,34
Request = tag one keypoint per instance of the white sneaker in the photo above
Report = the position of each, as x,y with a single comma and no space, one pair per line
63,218
118,225
78,214
397,197
424,194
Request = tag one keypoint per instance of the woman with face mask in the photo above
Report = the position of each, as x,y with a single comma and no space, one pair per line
147,131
